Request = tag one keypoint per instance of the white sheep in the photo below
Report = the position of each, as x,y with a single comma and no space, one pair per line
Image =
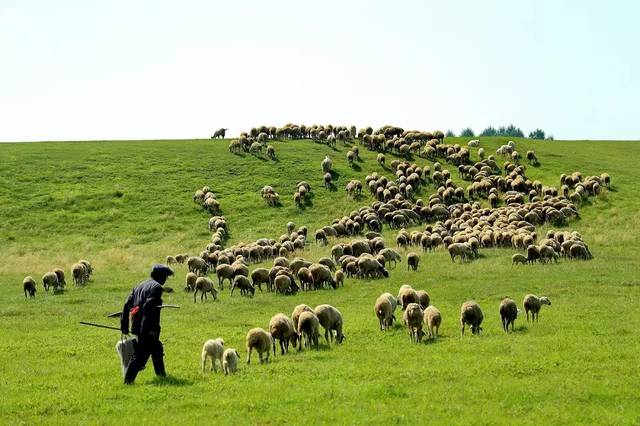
261,341
212,349
230,359
433,319
384,309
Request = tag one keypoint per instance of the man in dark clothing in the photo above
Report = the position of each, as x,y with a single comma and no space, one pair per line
143,306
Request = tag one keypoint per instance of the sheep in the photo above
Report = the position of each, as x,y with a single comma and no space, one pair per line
370,267
281,328
381,159
473,143
308,329
423,298
321,274
413,318
407,295
224,272
306,278
230,358
326,164
532,303
60,274
88,266
295,315
519,258
50,279
190,281
508,313
29,287
384,309
329,263
462,250
470,313
212,349
79,274
327,180
291,227
284,284
433,319
259,276
181,258
271,152
339,278
261,341
204,285
331,320
220,133
243,283
481,153
547,253
197,265
321,236
171,260
412,261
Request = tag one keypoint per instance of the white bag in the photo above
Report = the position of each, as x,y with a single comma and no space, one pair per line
125,349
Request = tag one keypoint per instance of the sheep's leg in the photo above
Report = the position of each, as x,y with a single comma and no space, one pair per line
194,295
204,363
249,354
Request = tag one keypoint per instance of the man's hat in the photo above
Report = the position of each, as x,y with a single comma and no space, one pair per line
161,269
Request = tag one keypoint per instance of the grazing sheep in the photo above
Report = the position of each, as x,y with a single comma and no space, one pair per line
423,298
519,258
29,287
413,318
79,274
224,272
60,274
197,265
259,276
308,329
171,260
331,320
321,236
384,309
433,319
220,133
470,313
271,152
306,279
508,313
462,250
321,275
326,164
190,281
339,278
282,329
230,359
407,295
212,349
412,261
88,266
381,159
533,304
243,283
204,285
261,341
50,279
295,315
327,180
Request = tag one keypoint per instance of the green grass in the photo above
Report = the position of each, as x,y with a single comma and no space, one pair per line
126,205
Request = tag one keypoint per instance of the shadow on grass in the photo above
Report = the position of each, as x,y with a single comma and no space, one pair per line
171,381
356,167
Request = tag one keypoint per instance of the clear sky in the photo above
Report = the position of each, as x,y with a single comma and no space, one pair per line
137,69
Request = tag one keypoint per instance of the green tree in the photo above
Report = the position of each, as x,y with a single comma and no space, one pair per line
537,134
489,131
467,133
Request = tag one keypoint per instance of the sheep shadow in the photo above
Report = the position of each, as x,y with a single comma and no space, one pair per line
275,159
334,174
170,381
332,187
356,167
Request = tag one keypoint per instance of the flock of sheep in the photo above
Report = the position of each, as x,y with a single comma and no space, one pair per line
55,280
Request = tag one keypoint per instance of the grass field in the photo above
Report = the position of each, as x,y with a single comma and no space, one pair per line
126,205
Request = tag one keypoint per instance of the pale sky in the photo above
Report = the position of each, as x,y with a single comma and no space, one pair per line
75,70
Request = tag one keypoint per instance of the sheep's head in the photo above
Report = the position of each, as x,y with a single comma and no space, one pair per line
545,301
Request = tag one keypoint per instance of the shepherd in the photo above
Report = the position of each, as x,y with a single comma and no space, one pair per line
143,307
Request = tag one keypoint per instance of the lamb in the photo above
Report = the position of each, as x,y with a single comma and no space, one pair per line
171,260
384,309
79,273
519,258
381,159
423,298
29,287
212,349
309,329
413,318
339,278
243,283
533,304
190,281
327,180
306,278
331,320
50,279
271,152
261,341
470,313
508,313
407,295
282,329
433,319
204,285
230,358
412,261
295,315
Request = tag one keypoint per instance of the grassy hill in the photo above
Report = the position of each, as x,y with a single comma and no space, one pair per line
126,205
